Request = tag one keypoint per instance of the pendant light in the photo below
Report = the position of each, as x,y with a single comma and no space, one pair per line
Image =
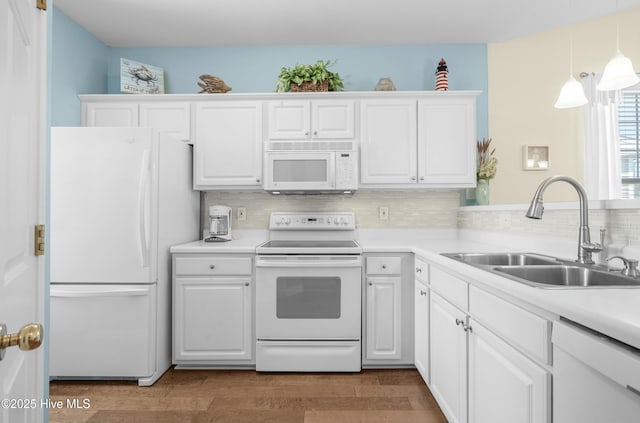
572,92
619,72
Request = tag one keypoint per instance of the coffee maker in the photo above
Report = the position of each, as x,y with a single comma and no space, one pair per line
219,224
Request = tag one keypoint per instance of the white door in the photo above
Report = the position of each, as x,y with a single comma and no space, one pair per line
228,145
384,318
448,358
447,141
22,187
504,385
421,329
389,142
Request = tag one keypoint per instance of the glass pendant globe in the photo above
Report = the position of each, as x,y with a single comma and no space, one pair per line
571,95
618,74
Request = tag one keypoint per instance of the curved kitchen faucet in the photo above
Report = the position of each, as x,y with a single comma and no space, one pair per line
536,208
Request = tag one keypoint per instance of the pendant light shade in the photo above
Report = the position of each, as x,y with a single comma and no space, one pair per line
618,74
571,95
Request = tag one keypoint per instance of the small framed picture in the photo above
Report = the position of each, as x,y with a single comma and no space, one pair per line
139,78
535,157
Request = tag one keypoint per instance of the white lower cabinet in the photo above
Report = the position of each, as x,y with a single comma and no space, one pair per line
213,310
388,319
384,320
449,358
504,385
421,326
482,368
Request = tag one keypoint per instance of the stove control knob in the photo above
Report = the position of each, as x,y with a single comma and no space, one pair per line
336,221
287,221
343,221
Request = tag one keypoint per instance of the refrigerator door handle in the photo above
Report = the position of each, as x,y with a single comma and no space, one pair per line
143,189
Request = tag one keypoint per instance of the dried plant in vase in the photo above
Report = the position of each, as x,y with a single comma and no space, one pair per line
487,163
487,168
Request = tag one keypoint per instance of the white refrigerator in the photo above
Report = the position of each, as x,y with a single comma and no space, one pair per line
120,197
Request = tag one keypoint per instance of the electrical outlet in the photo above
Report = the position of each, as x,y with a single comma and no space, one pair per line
241,213
383,213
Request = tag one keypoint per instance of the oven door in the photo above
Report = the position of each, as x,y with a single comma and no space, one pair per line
299,171
308,297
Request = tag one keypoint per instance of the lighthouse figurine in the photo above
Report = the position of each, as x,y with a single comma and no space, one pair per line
442,81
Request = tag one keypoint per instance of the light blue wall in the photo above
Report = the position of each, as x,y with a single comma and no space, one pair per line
79,63
84,65
255,69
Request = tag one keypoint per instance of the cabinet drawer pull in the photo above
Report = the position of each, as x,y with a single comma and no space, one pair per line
384,266
423,292
212,266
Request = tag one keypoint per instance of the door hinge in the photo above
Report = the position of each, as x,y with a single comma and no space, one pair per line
38,240
41,4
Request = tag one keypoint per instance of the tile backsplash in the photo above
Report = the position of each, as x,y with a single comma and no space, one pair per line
622,225
407,209
430,209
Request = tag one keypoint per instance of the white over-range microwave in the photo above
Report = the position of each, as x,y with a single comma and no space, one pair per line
302,167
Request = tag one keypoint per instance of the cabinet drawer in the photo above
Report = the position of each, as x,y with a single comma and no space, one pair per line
523,329
384,265
213,265
421,271
450,287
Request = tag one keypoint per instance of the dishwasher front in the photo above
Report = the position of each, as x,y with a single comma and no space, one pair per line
595,379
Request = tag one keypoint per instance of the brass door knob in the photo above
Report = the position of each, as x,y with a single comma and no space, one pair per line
29,337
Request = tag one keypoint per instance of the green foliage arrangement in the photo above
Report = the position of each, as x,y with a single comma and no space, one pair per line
315,74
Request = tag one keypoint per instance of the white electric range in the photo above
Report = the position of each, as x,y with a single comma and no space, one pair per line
309,294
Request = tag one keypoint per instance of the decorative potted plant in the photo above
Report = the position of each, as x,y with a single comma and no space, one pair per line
315,77
487,168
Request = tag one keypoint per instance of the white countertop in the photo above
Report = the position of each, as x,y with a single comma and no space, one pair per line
612,311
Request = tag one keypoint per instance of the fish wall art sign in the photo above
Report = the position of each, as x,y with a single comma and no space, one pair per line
139,78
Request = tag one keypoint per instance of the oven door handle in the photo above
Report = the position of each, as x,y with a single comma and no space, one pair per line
300,262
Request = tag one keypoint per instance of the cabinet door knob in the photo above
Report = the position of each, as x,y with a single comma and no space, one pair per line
370,283
418,270
459,322
413,178
384,266
212,266
258,180
246,284
423,292
422,178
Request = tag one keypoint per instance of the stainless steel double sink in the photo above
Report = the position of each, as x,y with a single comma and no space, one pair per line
545,271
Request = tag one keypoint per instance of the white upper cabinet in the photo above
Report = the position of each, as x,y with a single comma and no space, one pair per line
110,114
447,141
311,120
228,145
172,117
388,143
419,141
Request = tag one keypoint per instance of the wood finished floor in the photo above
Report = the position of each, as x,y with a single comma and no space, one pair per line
238,396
